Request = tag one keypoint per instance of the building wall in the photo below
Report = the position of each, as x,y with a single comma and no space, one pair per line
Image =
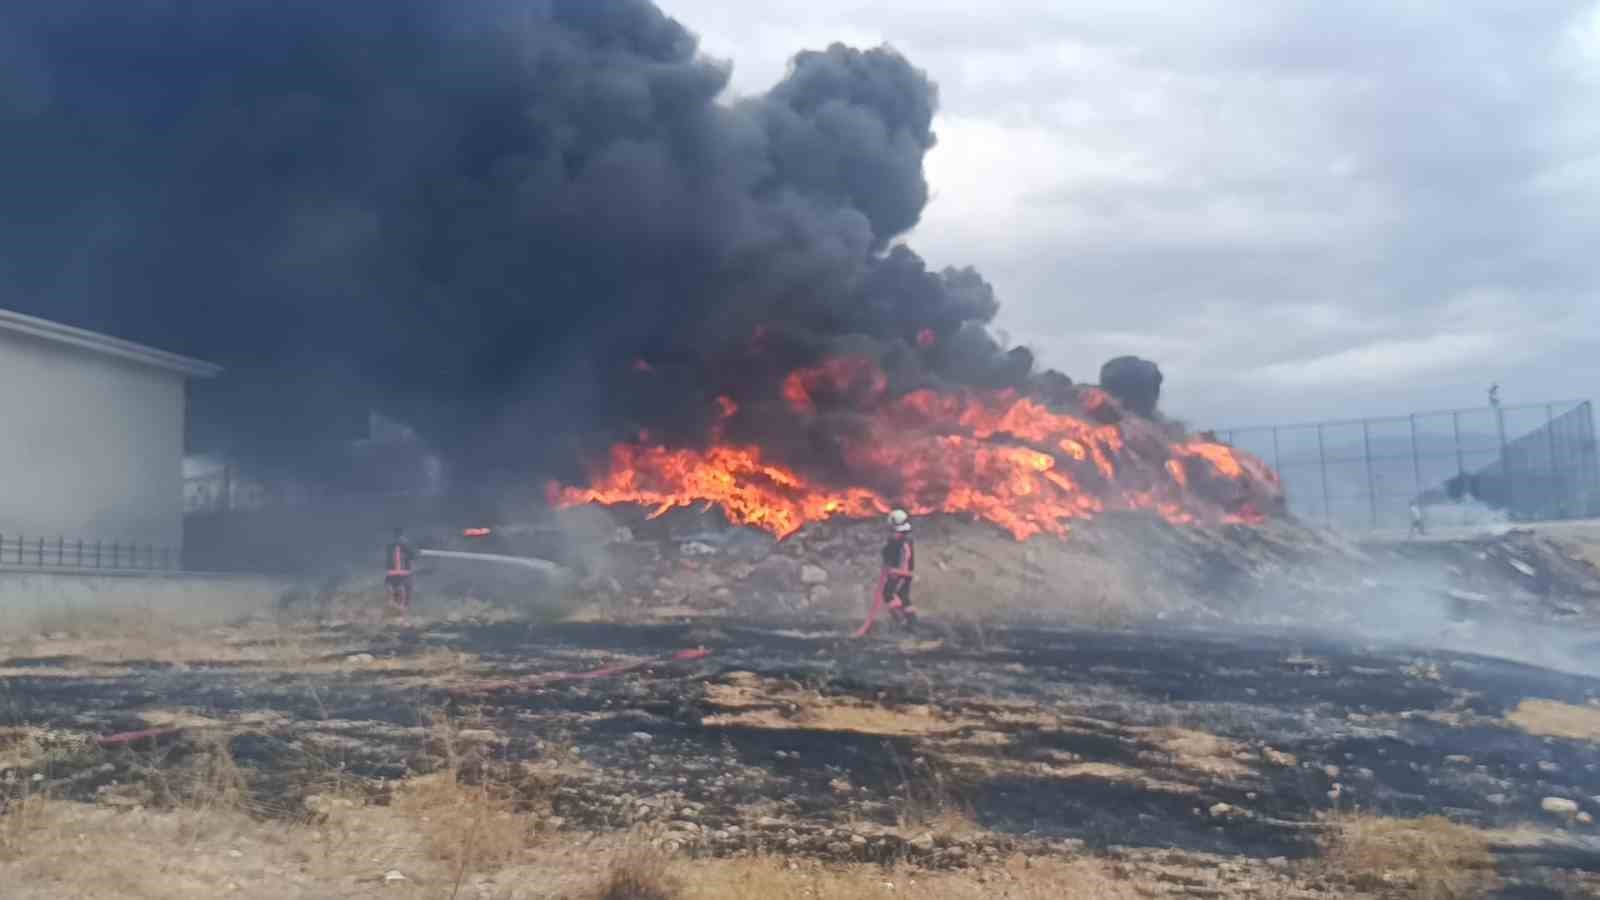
91,446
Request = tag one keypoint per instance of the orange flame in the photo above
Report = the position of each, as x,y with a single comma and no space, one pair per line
1002,457
852,379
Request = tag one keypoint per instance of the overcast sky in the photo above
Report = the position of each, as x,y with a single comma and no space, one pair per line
1299,208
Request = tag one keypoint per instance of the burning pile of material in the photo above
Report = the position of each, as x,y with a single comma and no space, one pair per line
1011,459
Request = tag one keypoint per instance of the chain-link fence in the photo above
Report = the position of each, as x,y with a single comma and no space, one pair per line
1534,461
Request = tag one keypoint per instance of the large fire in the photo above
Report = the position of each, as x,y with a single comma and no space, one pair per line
1003,457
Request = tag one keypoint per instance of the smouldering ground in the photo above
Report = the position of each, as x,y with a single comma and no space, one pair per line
305,761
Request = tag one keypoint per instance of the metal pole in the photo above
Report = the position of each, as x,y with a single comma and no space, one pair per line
1416,458
1555,490
1586,458
1461,463
1372,487
1277,458
1322,459
1505,458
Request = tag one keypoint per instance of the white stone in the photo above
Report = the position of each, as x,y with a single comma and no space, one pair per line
1560,806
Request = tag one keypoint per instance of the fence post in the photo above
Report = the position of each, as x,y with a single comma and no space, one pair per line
1322,460
1505,459
61,550
1461,462
1556,489
97,554
1372,487
1277,457
21,542
1416,458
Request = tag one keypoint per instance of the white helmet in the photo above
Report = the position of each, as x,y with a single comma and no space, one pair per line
899,520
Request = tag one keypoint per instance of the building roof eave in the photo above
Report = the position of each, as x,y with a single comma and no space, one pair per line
55,332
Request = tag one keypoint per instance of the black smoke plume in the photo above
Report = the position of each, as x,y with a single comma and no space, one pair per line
525,228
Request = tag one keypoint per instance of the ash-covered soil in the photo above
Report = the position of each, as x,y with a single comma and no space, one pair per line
948,749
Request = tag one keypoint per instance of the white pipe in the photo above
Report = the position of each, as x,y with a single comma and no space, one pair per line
545,566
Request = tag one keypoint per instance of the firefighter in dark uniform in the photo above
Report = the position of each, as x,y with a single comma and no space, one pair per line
899,568
398,557
894,579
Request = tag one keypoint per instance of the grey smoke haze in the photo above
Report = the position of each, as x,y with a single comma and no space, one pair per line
472,215
1299,209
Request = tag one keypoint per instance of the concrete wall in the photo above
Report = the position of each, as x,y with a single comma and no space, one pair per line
91,446
39,600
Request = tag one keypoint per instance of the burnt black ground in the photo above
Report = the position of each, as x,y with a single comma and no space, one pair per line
1394,721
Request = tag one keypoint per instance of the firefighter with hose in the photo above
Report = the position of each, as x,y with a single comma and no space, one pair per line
398,557
894,580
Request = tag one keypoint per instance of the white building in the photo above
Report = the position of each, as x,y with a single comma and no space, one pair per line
91,437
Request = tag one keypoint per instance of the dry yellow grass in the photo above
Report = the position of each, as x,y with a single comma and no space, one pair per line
84,852
1201,752
1430,858
779,879
110,637
1547,718
753,702
638,873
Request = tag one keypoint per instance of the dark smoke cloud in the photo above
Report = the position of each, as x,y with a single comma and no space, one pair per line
471,214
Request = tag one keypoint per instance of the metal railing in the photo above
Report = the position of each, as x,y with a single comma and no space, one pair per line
61,553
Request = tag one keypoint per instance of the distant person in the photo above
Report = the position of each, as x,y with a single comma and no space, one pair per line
398,557
1418,526
894,580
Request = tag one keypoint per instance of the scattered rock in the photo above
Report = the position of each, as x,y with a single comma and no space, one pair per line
641,737
1585,819
1277,757
697,548
1218,810
813,574
360,659
923,842
393,876
1559,806
1457,759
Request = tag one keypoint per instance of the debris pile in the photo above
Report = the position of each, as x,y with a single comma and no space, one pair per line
1119,569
